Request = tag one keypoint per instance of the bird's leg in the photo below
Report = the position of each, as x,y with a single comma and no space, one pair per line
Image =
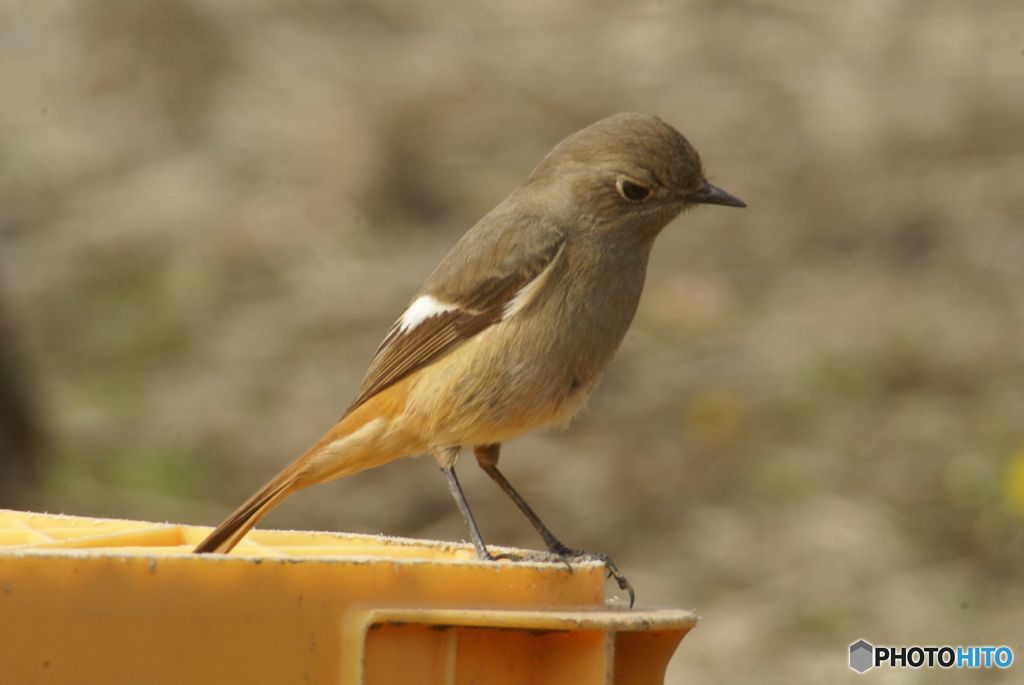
447,461
487,457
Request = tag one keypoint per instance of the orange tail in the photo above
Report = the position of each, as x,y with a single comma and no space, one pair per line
225,536
359,441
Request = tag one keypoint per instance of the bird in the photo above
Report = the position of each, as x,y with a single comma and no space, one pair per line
515,326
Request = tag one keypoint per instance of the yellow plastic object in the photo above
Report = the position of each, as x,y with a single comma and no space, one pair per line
106,601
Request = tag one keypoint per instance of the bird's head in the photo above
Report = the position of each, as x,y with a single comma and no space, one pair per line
629,172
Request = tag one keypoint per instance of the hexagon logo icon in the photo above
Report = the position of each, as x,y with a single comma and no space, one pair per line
862,656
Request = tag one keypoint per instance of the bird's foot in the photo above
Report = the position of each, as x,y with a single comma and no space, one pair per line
483,554
528,555
566,555
569,555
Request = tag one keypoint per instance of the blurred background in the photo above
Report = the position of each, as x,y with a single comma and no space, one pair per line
211,212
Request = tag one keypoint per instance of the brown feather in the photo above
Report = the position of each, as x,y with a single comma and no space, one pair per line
405,351
301,472
225,536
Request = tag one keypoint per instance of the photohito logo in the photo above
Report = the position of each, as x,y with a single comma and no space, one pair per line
864,656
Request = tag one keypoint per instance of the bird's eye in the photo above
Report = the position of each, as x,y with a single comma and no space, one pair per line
634,192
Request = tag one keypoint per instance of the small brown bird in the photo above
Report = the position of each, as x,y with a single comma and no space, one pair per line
513,329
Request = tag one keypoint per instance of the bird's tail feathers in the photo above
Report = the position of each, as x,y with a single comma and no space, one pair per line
225,536
353,444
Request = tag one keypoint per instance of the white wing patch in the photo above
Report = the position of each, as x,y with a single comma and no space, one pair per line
422,308
528,293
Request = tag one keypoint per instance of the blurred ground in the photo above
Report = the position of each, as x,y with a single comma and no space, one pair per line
210,212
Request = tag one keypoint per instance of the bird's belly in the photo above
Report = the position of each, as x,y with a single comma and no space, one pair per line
495,387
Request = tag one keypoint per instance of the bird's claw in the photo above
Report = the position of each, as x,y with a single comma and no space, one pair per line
534,556
567,555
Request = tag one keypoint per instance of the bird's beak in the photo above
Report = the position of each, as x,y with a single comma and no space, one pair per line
713,195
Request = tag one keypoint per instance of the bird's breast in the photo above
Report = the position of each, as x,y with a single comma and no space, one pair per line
535,368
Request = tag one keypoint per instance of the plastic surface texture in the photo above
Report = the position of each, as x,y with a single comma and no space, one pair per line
107,601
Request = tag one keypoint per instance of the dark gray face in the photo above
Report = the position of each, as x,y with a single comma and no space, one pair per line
631,167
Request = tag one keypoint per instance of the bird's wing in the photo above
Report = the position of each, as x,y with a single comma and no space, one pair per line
488,276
